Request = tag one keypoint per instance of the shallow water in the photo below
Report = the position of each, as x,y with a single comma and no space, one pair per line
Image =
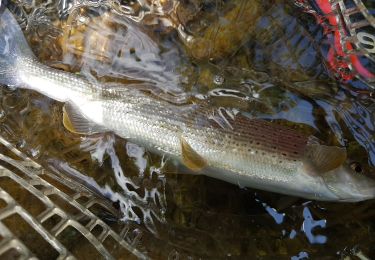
258,56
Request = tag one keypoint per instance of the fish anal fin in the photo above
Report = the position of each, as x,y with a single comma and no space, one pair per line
76,123
190,158
325,158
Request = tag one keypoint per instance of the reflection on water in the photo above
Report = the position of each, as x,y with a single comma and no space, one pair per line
187,51
300,256
309,224
278,217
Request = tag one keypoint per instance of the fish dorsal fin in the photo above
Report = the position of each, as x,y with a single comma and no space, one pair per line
77,123
325,158
190,157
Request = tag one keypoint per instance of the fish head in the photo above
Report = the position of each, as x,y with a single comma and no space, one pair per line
349,184
337,178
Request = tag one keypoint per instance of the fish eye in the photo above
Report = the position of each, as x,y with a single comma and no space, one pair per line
356,166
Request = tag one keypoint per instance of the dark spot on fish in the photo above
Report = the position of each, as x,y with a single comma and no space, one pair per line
119,54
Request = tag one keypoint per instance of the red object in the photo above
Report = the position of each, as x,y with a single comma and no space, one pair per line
338,60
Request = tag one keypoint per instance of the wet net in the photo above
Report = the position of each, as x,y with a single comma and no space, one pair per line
60,218
349,26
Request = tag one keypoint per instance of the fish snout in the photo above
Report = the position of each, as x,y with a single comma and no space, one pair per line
348,185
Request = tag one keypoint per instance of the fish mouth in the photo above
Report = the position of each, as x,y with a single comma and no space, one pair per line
352,196
357,195
348,186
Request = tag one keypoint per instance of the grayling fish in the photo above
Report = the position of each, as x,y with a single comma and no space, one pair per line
221,144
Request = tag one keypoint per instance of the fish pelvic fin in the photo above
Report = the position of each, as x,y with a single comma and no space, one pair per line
324,158
190,158
13,49
77,123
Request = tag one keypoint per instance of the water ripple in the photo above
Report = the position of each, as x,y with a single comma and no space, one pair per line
308,226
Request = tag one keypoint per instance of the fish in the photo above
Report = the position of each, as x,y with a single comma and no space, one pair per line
219,142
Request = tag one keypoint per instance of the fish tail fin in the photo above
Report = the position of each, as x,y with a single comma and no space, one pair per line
13,49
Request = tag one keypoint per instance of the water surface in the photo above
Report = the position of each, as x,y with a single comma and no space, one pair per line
265,58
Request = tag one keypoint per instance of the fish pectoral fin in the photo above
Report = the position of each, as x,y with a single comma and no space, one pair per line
76,123
325,158
191,158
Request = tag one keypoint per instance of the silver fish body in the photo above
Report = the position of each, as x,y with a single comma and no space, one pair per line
247,152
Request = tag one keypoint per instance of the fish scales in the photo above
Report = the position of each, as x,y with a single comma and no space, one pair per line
247,152
161,125
247,133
